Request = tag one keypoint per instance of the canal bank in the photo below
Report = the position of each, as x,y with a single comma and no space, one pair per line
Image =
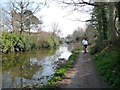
81,74
62,72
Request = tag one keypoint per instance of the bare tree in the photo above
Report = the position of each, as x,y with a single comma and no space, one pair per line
79,6
0,16
77,3
56,28
20,13
4,20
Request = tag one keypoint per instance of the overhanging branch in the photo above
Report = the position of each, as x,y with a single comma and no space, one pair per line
82,2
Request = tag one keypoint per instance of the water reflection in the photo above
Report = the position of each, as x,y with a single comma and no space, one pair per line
0,73
31,68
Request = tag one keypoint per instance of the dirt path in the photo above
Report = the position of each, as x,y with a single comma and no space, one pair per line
82,75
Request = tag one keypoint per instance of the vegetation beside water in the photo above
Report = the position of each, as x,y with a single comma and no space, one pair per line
50,42
105,20
60,73
16,43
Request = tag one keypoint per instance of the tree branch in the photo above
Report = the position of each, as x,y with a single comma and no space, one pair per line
79,3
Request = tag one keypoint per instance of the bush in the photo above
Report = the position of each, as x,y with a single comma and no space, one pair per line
98,47
14,43
56,42
50,42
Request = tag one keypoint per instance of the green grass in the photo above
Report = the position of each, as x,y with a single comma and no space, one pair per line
108,64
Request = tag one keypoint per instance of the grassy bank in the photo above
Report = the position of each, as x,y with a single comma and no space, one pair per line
18,43
107,62
60,73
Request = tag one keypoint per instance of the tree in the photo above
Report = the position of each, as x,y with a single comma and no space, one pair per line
117,17
21,12
4,21
31,20
55,28
100,21
78,34
77,3
104,16
90,33
112,23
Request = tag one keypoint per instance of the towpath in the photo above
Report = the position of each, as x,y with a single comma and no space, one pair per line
83,74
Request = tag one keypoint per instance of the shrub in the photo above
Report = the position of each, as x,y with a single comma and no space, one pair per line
98,47
50,42
14,43
56,42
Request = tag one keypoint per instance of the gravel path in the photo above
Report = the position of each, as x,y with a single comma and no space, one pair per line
82,75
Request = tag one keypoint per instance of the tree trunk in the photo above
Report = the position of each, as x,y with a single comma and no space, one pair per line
21,18
111,22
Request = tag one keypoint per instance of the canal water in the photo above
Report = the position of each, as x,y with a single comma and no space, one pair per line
31,68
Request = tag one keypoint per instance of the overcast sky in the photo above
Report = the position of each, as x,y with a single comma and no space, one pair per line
64,17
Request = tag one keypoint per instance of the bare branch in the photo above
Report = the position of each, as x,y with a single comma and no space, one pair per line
82,2
82,20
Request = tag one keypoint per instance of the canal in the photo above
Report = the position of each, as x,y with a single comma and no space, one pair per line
33,67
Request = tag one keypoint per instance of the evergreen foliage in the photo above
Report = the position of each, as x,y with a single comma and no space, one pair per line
15,42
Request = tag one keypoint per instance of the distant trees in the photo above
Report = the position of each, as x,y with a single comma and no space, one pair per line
56,29
78,34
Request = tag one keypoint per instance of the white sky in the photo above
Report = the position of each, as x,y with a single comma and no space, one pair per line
57,14
53,13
